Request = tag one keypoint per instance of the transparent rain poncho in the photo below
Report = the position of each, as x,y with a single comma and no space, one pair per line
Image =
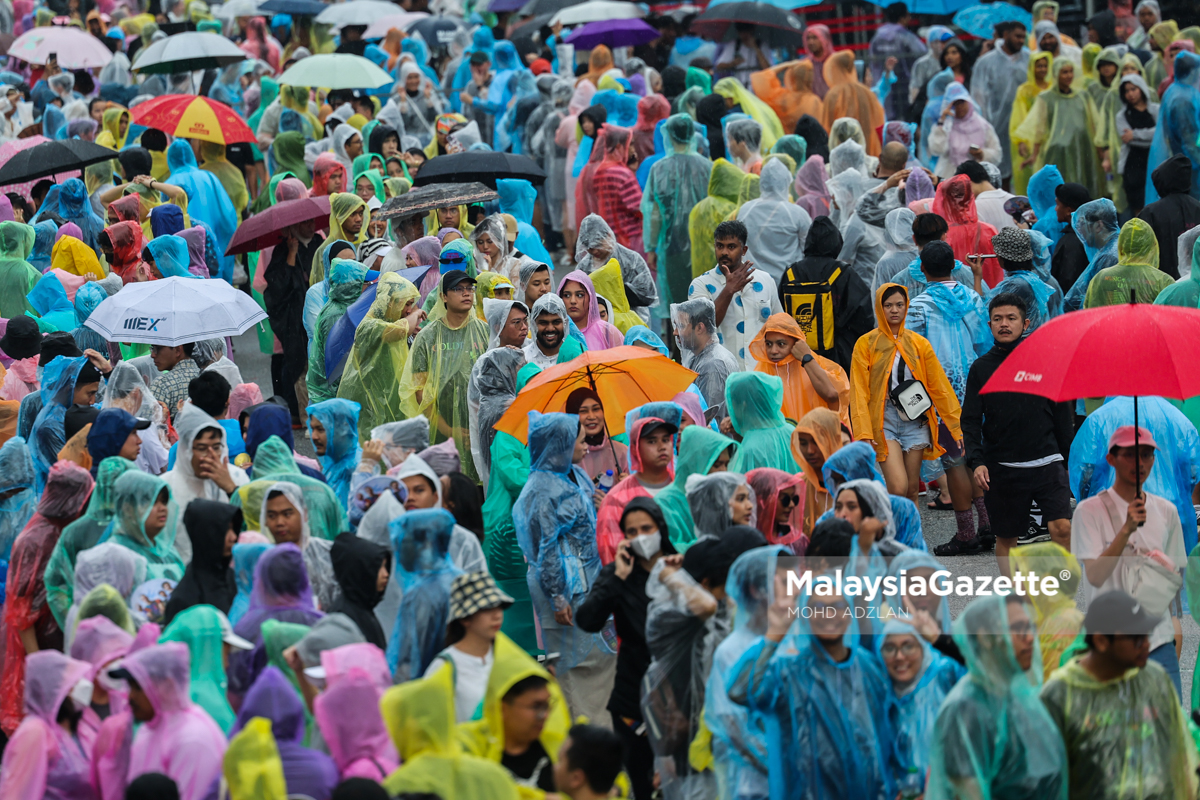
16,487
1185,292
699,448
1136,274
421,545
865,239
714,364
105,577
274,462
1040,290
778,227
555,520
245,558
402,439
1059,621
1178,123
759,111
58,388
345,286
708,497
1096,225
492,390
342,452
901,250
993,736
724,183
378,356
199,627
134,496
754,403
596,234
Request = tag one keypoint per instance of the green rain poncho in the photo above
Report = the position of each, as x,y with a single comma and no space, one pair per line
199,627
1066,127
274,462
279,636
288,151
676,185
993,737
345,286
1136,274
134,494
510,469
794,147
378,355
376,181
17,275
699,448
755,402
1185,291
81,534
724,187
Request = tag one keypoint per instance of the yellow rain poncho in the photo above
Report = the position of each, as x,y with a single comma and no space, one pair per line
1027,92
1065,125
213,155
252,767
296,99
342,206
1057,617
73,256
1108,103
378,355
608,282
724,186
420,719
1136,276
433,224
1161,36
485,737
760,112
487,286
110,135
159,169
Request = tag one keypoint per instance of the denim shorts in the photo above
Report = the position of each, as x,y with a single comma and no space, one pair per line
910,435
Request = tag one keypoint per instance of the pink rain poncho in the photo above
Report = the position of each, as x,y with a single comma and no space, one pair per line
347,712
42,760
768,483
181,741
811,192
599,334
608,517
114,740
99,641
67,489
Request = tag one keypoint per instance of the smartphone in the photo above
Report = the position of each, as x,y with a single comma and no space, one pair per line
980,255
52,60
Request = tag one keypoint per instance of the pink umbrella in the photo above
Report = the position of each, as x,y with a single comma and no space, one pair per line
11,148
75,49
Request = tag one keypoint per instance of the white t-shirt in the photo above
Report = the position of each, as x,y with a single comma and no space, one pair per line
1092,531
990,207
470,679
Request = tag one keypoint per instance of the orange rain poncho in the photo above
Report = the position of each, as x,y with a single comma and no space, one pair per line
600,61
788,89
849,98
823,426
799,396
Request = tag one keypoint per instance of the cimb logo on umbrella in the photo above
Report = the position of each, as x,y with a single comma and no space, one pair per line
142,323
1031,377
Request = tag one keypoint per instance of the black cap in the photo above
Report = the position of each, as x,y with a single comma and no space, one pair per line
1072,195
455,277
651,427
1116,612
121,674
77,418
58,344
21,339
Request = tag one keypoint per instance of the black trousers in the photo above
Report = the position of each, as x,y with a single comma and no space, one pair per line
639,757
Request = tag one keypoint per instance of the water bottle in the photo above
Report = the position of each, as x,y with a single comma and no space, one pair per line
911,786
606,482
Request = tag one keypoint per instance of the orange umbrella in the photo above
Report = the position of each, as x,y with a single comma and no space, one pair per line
192,117
623,377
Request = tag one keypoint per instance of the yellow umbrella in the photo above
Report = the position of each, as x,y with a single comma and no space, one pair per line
191,117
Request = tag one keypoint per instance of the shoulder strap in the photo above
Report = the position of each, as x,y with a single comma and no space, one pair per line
1113,516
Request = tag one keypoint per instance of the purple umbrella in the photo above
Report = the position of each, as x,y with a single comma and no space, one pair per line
614,33
341,336
499,6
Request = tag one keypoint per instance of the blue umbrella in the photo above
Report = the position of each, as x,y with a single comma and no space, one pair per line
341,337
939,7
786,5
299,8
979,20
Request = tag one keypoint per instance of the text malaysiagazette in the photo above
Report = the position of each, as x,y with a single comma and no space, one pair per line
940,583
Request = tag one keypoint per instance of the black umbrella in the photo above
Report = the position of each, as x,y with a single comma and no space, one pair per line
436,31
424,199
538,7
526,30
483,166
774,27
295,8
52,158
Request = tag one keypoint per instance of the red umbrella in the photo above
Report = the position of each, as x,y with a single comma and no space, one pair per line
192,117
266,228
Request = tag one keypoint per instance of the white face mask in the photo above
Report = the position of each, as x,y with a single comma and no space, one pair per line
81,695
648,545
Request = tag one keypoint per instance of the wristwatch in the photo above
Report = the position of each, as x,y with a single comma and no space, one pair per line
807,358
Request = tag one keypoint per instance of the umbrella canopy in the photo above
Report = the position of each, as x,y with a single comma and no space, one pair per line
939,7
192,117
423,199
296,8
614,33
481,166
379,28
341,335
52,158
534,8
75,48
501,6
237,8
624,377
14,146
175,311
979,20
187,52
335,71
436,31
356,12
265,228
596,11
527,30
773,25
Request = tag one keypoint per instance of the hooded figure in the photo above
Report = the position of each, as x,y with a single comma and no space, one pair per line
200,628
699,449
709,497
345,286
608,516
1096,226
995,80
181,741
799,394
596,245
209,578
1026,93
1062,127
136,497
849,98
126,239
47,436
1177,210
339,418
1178,125
105,577
778,227
347,711
779,523
954,320
356,565
207,199
754,402
712,362
953,139
1185,291
17,276
972,736
724,184
16,487
955,202
1135,277
492,389
856,462
421,545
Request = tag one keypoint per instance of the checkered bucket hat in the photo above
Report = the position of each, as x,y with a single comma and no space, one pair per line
475,592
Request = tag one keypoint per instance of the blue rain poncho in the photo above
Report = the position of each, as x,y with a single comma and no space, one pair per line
739,736
45,233
1096,225
909,562
912,708
755,401
421,550
510,130
48,437
87,298
642,334
955,321
555,520
170,255
1043,298
245,558
74,205
49,299
826,721
483,41
517,198
993,737
207,199
1178,123
1176,465
856,461
16,476
660,152
342,453
1042,201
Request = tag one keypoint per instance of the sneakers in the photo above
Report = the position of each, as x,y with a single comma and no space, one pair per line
1033,533
987,541
957,547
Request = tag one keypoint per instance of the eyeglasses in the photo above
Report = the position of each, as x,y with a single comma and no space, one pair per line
539,710
462,288
1021,628
908,649
788,500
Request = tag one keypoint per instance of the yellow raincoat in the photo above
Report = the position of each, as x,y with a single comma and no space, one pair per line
341,207
1136,269
231,178
252,767
724,185
1056,615
1027,92
432,225
73,256
870,376
485,289
759,111
608,281
420,718
110,135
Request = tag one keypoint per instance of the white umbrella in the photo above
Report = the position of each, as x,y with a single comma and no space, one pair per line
75,48
357,12
335,71
237,8
595,11
187,52
175,311
381,26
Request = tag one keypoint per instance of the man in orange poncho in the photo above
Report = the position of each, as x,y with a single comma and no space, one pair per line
816,438
809,380
849,98
788,90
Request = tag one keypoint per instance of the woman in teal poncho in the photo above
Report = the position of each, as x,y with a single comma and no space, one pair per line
701,451
199,627
345,286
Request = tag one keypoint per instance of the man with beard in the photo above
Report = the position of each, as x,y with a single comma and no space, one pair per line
549,327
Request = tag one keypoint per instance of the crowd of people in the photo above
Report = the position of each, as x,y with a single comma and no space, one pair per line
368,580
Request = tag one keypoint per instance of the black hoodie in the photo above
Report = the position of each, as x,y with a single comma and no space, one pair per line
1175,212
853,311
356,565
209,578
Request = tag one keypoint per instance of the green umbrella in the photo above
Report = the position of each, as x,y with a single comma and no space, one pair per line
335,71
